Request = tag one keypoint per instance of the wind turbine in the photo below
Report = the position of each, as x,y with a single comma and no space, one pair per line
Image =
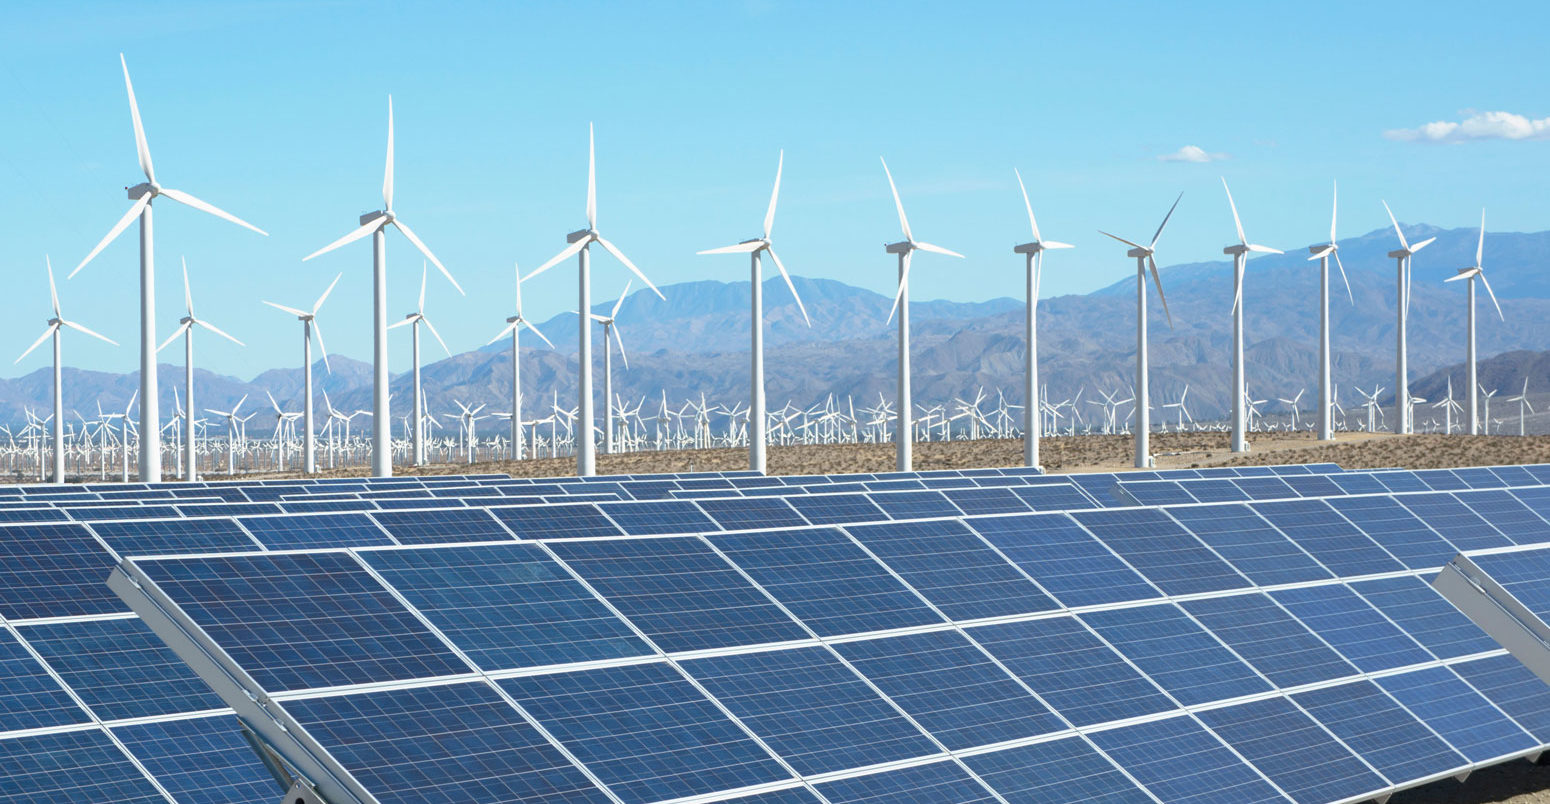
1144,259
185,328
1323,253
232,420
609,327
1523,404
580,246
757,420
1240,257
375,224
1033,252
143,194
1402,257
309,324
904,429
1471,273
55,325
514,325
414,320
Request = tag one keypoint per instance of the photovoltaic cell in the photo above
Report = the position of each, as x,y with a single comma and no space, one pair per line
1053,497
1072,670
1461,715
915,505
1523,575
826,580
658,517
298,621
83,766
921,784
1509,516
986,501
1176,653
97,513
202,760
645,731
555,521
302,531
507,605
1441,479
1381,731
679,592
1290,748
789,795
1065,771
1180,761
747,514
837,509
811,709
1397,530
1249,543
1359,631
1065,559
1329,537
1358,483
1312,485
1454,521
29,697
953,568
49,570
457,742
1217,490
1514,688
1426,616
1161,550
162,536
442,525
1266,488
1271,640
951,688
120,668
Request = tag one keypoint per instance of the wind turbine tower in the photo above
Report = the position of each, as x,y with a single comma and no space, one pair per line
186,329
1240,257
309,327
1402,255
1471,273
1326,418
514,325
1033,252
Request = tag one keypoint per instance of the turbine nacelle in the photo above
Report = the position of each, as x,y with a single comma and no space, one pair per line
143,189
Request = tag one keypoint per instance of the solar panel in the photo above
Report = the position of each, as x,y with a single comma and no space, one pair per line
1351,626
1425,615
658,517
202,759
555,521
830,509
1176,653
748,514
938,781
1066,560
53,570
1469,722
1250,544
1509,516
1454,521
953,568
915,505
1293,751
80,766
29,697
1381,731
442,525
1179,761
986,501
1066,771
1161,550
301,531
119,668
1270,639
1396,530
162,536
1328,537
1514,689
1054,497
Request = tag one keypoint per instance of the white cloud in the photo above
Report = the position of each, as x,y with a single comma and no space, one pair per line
1477,126
1191,153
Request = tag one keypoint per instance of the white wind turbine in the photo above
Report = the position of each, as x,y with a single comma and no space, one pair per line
1471,273
1524,408
611,328
514,325
1240,257
757,420
143,194
580,246
904,429
232,420
1326,419
55,326
414,320
1033,252
185,328
375,224
309,325
1144,259
1402,257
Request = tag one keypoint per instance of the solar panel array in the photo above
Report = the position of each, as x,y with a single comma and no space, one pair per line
926,637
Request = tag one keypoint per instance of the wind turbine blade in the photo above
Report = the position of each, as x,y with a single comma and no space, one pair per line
81,329
793,288
424,271
509,327
283,308
1321,253
1049,244
142,150
365,229
535,331
1157,280
432,328
620,303
619,341
174,336
1236,221
1258,249
1492,294
53,292
938,250
1423,244
188,200
591,178
904,283
1164,224
118,228
1120,239
1032,224
188,296
739,248
1402,242
1463,273
1334,210
1237,297
387,172
1343,277
619,255
565,253
318,331
409,233
769,214
218,331
1480,247
319,303
273,403
404,322
904,223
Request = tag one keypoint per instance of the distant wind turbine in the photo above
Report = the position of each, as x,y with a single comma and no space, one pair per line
1402,257
414,320
610,327
1327,391
904,429
1144,260
1471,273
514,325
1240,257
309,327
1524,408
185,328
143,194
1033,252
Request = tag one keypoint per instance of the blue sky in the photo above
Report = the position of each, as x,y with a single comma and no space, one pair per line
276,112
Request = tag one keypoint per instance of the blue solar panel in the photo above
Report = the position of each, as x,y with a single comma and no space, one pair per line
658,517
790,795
120,668
1054,497
1249,543
457,742
1515,475
1177,653
986,501
19,515
1478,477
49,570
915,504
1180,761
921,784
1381,731
1358,483
1426,616
29,697
555,521
1067,771
1461,715
1217,490
1522,574
1065,559
203,760
953,568
1072,670
1265,488
645,731
748,514
811,709
1514,688
1161,550
1507,515
826,580
951,688
297,621
161,536
1290,748
507,605
1401,481
1156,492
679,592
1329,537
98,513
78,766
1353,627
1397,530
1312,485
1454,521
302,531
1271,640
1441,479
442,525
